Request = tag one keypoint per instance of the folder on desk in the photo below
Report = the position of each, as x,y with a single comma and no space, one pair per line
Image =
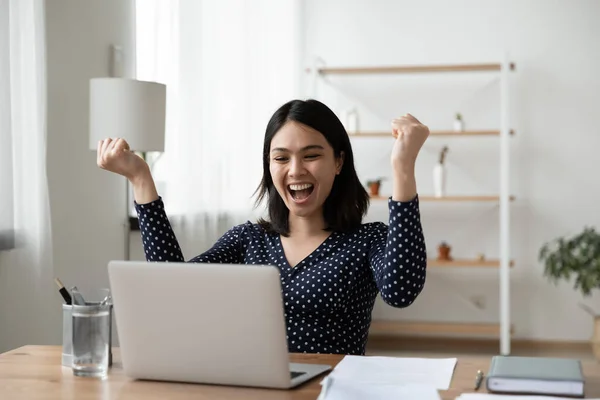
535,375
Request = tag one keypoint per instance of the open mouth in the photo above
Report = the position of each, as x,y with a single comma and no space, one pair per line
301,192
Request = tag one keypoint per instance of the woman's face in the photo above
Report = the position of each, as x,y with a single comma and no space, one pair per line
303,167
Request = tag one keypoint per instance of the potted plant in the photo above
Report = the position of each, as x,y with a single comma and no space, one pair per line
459,124
576,257
444,252
374,186
439,174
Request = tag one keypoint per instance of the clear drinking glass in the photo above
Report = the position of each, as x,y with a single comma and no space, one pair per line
92,337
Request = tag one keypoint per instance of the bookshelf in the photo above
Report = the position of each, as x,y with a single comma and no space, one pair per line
410,69
469,263
454,199
389,327
432,133
502,329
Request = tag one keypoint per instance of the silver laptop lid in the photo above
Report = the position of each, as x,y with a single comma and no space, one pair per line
208,323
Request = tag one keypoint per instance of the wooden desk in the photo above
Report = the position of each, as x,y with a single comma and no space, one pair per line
35,372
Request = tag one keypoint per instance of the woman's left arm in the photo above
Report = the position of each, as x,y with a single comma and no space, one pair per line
398,254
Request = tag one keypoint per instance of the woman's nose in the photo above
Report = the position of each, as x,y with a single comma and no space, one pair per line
297,167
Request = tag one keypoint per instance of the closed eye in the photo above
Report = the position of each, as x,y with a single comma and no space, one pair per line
312,156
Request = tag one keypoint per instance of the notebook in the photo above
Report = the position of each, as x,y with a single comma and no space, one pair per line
535,375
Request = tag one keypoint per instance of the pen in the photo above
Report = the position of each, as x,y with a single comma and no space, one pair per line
77,297
63,292
478,379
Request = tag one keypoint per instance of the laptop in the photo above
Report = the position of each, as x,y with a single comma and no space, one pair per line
204,323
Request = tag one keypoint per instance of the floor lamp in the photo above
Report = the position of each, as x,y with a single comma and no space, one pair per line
130,109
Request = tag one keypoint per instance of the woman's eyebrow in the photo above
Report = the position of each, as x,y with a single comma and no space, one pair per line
310,147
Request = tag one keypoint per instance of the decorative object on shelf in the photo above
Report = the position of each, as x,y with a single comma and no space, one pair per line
459,125
351,120
439,175
444,252
481,257
577,256
374,186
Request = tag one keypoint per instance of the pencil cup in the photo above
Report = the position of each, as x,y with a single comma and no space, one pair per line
87,336
91,339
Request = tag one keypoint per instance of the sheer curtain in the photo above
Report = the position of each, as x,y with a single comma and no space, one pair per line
28,310
6,179
228,66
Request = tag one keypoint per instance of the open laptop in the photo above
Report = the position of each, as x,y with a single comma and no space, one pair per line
204,323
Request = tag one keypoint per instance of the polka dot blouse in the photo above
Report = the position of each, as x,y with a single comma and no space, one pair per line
329,296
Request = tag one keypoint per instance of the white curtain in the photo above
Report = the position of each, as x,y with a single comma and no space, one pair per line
27,291
228,65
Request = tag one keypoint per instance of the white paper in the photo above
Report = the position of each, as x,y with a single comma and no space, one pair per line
489,396
343,389
377,370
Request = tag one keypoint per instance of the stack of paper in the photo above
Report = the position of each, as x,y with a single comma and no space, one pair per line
435,372
343,389
388,377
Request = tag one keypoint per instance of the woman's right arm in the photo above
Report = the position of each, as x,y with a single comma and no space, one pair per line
160,243
158,238
144,189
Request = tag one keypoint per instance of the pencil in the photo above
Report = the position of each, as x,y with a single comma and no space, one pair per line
63,292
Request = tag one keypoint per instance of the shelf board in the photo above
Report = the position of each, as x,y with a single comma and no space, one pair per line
452,198
388,327
458,263
409,69
377,134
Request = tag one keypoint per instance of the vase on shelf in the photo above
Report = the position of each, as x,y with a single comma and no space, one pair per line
459,125
439,180
351,120
439,174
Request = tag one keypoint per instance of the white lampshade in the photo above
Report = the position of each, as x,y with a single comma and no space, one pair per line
130,109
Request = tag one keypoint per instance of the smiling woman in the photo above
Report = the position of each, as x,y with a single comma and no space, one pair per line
306,144
332,266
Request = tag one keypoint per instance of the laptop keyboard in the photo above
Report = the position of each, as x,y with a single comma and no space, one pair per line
295,374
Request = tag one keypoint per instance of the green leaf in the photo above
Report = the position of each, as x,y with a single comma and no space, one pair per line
577,256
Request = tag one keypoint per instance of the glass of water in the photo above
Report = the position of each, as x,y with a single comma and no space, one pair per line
91,338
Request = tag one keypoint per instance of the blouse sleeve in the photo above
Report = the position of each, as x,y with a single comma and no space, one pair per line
160,242
398,255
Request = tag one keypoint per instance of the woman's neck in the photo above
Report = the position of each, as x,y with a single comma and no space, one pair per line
306,226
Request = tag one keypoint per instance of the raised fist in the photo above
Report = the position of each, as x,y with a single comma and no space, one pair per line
114,155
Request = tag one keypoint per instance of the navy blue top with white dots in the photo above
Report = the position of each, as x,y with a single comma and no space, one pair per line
329,296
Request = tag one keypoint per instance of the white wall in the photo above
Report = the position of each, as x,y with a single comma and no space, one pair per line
87,204
555,99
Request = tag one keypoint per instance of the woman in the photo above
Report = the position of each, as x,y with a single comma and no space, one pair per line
331,264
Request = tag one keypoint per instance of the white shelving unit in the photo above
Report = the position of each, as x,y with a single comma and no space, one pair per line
503,198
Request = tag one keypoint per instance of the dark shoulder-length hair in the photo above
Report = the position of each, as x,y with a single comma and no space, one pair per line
348,200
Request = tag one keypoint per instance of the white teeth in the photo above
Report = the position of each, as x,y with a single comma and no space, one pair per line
301,187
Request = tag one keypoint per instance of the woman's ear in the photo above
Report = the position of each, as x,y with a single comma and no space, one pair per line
339,163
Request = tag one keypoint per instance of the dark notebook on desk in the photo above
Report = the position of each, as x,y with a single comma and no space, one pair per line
535,375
